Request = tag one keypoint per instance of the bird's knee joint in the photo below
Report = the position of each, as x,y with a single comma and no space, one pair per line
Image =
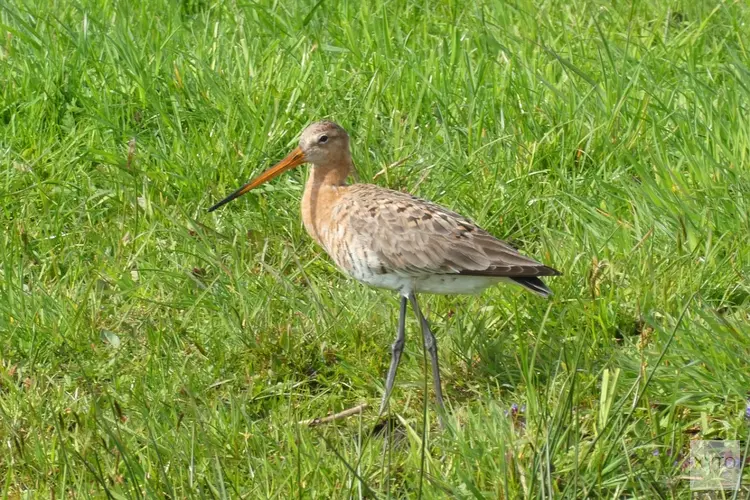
397,345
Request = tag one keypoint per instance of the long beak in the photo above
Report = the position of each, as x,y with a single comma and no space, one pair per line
296,157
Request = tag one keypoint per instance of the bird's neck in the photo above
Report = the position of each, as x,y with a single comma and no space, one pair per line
330,175
324,188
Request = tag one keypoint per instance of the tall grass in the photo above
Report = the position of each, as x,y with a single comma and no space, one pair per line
148,348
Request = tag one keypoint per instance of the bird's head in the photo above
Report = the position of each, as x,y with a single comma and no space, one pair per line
322,143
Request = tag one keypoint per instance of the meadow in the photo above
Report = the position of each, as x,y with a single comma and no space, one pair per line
151,349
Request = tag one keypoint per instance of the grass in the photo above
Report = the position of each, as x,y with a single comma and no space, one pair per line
148,348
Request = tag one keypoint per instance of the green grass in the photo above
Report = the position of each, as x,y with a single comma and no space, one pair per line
148,348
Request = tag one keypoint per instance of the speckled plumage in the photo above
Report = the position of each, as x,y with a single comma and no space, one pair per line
393,240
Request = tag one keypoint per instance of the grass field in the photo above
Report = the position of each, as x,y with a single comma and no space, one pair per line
148,348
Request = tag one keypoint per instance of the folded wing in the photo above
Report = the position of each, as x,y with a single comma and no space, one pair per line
415,237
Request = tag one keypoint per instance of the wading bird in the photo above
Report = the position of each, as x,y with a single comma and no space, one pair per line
388,239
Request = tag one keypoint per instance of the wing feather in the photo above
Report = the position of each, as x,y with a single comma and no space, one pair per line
412,236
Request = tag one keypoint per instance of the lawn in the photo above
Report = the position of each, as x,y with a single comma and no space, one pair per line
149,348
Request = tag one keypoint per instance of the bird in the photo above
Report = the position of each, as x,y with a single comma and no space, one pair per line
393,240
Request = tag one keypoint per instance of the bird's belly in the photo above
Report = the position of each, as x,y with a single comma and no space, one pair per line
390,281
444,284
454,284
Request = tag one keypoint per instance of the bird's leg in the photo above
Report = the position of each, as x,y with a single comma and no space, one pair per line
396,349
430,345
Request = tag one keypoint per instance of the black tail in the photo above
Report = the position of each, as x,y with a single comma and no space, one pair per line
535,285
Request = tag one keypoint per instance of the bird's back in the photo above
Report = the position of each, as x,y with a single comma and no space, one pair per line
395,240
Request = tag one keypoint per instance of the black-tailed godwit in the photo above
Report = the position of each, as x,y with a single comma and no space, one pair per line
388,239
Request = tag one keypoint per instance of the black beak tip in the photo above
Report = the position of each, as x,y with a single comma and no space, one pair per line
218,205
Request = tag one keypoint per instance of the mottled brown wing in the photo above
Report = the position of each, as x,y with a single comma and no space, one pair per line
412,236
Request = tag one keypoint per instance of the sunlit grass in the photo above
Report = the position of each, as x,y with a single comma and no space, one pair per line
150,348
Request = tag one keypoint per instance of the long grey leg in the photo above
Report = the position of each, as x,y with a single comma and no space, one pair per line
430,345
396,349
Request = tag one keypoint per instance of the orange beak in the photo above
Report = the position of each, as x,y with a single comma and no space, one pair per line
293,159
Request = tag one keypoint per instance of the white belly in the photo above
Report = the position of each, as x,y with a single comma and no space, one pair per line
439,283
448,284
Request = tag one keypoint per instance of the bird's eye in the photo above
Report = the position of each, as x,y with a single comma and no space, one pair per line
323,139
